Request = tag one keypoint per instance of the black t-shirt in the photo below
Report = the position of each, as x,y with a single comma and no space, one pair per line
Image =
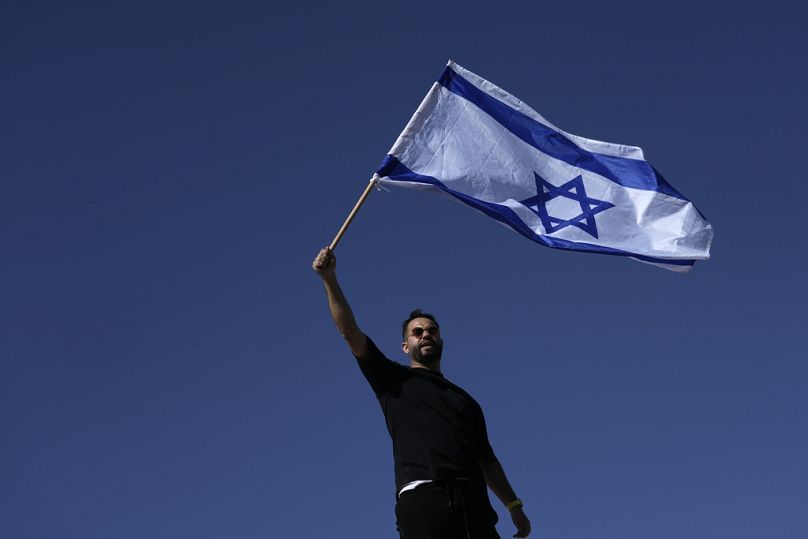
438,430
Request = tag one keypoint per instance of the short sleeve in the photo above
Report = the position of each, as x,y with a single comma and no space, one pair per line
383,375
484,450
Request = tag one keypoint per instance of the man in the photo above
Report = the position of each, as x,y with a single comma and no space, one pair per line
443,459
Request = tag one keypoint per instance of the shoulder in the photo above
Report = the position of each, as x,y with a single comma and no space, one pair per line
382,373
465,395
372,354
460,390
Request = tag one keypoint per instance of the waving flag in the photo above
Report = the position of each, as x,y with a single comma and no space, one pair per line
480,145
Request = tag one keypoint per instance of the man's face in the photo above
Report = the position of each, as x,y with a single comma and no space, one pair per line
423,343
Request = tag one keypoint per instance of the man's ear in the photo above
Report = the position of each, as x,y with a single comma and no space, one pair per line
405,348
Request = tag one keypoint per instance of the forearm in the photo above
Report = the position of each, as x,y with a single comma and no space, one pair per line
339,308
343,316
497,481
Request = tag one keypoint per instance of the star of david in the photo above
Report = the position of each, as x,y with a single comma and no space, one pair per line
573,190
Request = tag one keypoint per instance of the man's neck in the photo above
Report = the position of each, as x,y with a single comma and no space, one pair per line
434,367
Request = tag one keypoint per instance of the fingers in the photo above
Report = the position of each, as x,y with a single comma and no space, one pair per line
323,260
522,532
522,524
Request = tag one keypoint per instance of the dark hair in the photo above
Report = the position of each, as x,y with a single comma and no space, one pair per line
417,313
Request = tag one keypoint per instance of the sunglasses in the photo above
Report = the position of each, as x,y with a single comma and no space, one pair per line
419,331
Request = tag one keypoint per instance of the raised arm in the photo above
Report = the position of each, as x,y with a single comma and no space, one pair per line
498,483
325,265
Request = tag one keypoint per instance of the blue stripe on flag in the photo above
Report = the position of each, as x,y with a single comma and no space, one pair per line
395,170
633,173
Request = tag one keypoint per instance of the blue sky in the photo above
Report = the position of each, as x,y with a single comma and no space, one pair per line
169,170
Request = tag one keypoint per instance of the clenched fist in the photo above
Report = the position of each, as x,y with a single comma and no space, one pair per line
325,263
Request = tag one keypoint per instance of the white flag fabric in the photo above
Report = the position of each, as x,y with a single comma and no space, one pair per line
481,146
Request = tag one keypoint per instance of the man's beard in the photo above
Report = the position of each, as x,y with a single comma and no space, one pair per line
433,356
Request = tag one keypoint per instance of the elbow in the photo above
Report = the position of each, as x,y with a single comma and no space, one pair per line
350,338
357,342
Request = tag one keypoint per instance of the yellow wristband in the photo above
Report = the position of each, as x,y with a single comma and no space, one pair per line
514,504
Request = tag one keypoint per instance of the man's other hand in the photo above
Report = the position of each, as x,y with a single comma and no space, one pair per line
521,522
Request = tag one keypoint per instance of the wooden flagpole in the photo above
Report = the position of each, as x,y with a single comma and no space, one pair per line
347,222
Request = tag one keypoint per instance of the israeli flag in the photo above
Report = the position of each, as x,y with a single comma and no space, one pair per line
479,145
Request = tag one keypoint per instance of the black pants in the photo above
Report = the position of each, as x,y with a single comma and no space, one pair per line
445,510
